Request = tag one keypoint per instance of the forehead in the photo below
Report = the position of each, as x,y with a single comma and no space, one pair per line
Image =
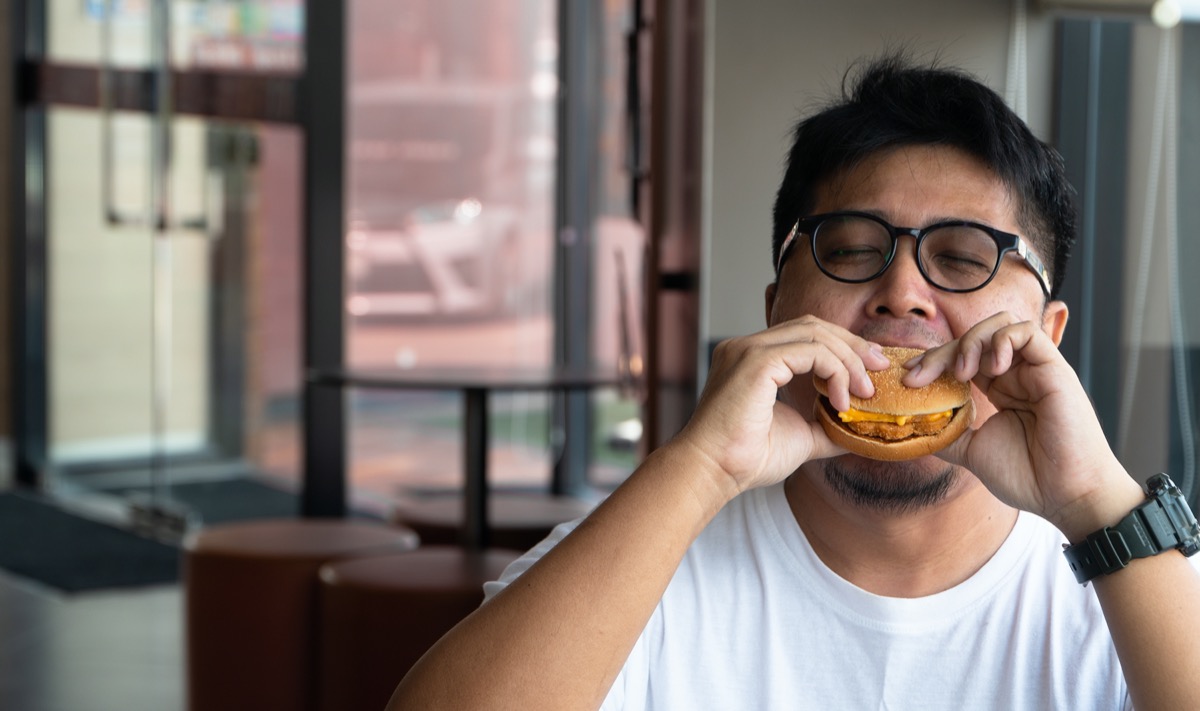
916,185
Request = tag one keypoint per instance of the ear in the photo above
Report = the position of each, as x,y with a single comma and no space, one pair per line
772,288
1054,320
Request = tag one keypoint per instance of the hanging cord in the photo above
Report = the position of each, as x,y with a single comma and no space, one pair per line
1178,333
1142,285
1017,80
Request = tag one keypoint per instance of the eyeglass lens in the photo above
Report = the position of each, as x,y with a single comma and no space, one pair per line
854,248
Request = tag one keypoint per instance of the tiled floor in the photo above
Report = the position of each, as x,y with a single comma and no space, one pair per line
111,650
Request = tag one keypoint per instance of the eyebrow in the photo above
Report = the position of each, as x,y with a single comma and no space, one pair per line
933,221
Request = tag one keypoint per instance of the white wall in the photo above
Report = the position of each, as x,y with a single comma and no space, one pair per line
770,60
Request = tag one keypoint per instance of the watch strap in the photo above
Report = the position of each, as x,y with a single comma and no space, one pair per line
1112,547
1164,521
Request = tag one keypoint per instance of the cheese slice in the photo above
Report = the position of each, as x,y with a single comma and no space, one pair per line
853,415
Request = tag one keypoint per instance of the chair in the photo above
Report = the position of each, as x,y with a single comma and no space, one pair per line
380,614
250,592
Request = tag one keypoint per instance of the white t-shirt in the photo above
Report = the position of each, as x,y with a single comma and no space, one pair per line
754,620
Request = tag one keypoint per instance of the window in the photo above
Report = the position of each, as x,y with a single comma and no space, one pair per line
1130,132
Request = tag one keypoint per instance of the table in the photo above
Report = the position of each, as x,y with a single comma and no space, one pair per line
476,386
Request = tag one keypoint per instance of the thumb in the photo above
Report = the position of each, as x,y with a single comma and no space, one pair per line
956,452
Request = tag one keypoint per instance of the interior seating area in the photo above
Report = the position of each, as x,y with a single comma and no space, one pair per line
318,314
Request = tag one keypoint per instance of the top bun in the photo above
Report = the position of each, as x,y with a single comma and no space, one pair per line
892,397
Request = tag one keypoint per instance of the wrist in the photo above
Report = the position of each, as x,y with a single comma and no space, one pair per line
1161,522
712,484
1105,506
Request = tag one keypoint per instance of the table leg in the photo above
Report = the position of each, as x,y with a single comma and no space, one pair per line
475,454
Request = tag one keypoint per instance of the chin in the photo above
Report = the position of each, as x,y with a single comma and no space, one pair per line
891,487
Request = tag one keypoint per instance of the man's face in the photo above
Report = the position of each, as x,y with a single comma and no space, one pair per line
912,186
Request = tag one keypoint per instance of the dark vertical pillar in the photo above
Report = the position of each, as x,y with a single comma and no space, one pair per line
27,258
578,131
323,109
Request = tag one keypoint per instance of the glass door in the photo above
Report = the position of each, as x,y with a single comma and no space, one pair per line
162,239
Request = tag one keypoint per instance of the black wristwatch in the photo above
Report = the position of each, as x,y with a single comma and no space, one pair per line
1163,522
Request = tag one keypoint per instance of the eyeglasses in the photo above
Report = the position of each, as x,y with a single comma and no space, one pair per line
956,256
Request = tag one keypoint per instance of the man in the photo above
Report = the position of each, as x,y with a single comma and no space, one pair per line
752,563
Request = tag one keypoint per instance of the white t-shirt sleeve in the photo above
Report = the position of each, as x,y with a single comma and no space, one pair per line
616,699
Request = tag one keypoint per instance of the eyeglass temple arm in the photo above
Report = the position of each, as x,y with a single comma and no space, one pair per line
1035,263
783,247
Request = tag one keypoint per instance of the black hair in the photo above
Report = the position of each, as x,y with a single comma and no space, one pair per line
892,103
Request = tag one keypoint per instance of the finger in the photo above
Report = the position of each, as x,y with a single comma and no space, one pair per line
812,328
963,357
1023,341
855,354
986,340
835,362
927,367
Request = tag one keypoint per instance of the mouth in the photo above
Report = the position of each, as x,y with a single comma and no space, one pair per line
900,428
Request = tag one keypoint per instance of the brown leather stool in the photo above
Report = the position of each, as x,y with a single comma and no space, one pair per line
380,614
250,592
516,521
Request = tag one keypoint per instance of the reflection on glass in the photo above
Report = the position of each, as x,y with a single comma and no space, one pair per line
448,247
450,163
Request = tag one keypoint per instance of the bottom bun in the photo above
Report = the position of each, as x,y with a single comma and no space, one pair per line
894,451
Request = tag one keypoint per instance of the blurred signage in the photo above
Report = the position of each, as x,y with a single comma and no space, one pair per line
258,36
223,34
122,10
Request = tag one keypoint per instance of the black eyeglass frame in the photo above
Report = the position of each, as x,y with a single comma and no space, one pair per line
1005,241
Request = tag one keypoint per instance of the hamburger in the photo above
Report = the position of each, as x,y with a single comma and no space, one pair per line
898,422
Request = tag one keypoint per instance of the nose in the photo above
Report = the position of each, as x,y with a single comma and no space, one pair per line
902,291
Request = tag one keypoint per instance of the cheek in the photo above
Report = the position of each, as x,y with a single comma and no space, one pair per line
825,304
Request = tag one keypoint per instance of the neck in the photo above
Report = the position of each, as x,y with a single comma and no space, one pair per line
905,553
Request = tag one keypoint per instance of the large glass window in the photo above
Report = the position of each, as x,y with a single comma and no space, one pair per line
450,239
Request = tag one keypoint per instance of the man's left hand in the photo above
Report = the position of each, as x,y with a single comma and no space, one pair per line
1042,448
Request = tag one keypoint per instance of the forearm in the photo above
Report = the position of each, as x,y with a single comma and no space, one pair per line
1152,608
558,636
1153,611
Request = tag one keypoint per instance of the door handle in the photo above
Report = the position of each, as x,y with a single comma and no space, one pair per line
158,213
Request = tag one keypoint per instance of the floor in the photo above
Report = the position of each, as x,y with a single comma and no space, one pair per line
123,650
98,651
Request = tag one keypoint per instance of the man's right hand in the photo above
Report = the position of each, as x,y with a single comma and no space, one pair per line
558,636
757,438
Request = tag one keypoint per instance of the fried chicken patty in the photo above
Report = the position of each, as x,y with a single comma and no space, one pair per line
892,431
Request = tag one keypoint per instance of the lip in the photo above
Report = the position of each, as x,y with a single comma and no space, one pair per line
915,346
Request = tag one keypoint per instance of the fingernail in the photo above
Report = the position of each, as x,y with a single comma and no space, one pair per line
961,363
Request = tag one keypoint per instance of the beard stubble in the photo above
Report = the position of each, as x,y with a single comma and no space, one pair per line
889,487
